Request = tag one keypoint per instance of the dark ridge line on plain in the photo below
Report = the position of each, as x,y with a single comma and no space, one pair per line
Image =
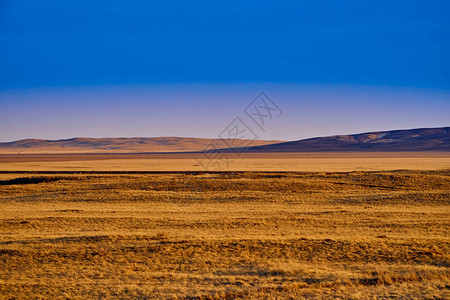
105,153
148,172
231,151
209,172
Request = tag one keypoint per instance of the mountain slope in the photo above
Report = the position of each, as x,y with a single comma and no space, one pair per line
114,145
421,139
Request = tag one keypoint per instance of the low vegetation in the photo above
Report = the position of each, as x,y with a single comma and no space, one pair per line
240,235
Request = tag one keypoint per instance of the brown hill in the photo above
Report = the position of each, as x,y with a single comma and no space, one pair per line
115,145
421,139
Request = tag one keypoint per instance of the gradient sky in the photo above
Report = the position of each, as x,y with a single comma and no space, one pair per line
187,68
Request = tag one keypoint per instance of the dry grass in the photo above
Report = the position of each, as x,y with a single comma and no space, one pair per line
235,235
263,162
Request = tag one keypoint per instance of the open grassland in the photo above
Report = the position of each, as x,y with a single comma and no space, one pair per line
229,235
281,162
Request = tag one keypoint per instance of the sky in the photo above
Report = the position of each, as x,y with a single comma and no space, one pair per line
188,68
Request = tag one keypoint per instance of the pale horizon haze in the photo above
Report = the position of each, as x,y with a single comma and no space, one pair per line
187,69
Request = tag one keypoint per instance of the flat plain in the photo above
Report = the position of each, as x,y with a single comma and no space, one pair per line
229,235
280,162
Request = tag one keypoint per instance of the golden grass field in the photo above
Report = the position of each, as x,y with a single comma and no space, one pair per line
235,235
280,162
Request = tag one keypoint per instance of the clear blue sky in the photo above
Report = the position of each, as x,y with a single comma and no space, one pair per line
187,68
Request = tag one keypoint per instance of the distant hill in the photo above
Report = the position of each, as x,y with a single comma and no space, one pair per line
421,139
115,145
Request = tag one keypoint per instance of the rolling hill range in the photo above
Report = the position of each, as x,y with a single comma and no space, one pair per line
115,145
421,139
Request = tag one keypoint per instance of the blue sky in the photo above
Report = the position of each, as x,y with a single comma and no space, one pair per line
186,68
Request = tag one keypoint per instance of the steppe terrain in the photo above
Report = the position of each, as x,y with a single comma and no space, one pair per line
281,162
228,225
229,235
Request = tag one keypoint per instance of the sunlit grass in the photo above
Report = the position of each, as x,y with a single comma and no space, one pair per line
239,235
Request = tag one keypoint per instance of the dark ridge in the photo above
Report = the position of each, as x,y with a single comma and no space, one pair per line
445,171
29,180
420,139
